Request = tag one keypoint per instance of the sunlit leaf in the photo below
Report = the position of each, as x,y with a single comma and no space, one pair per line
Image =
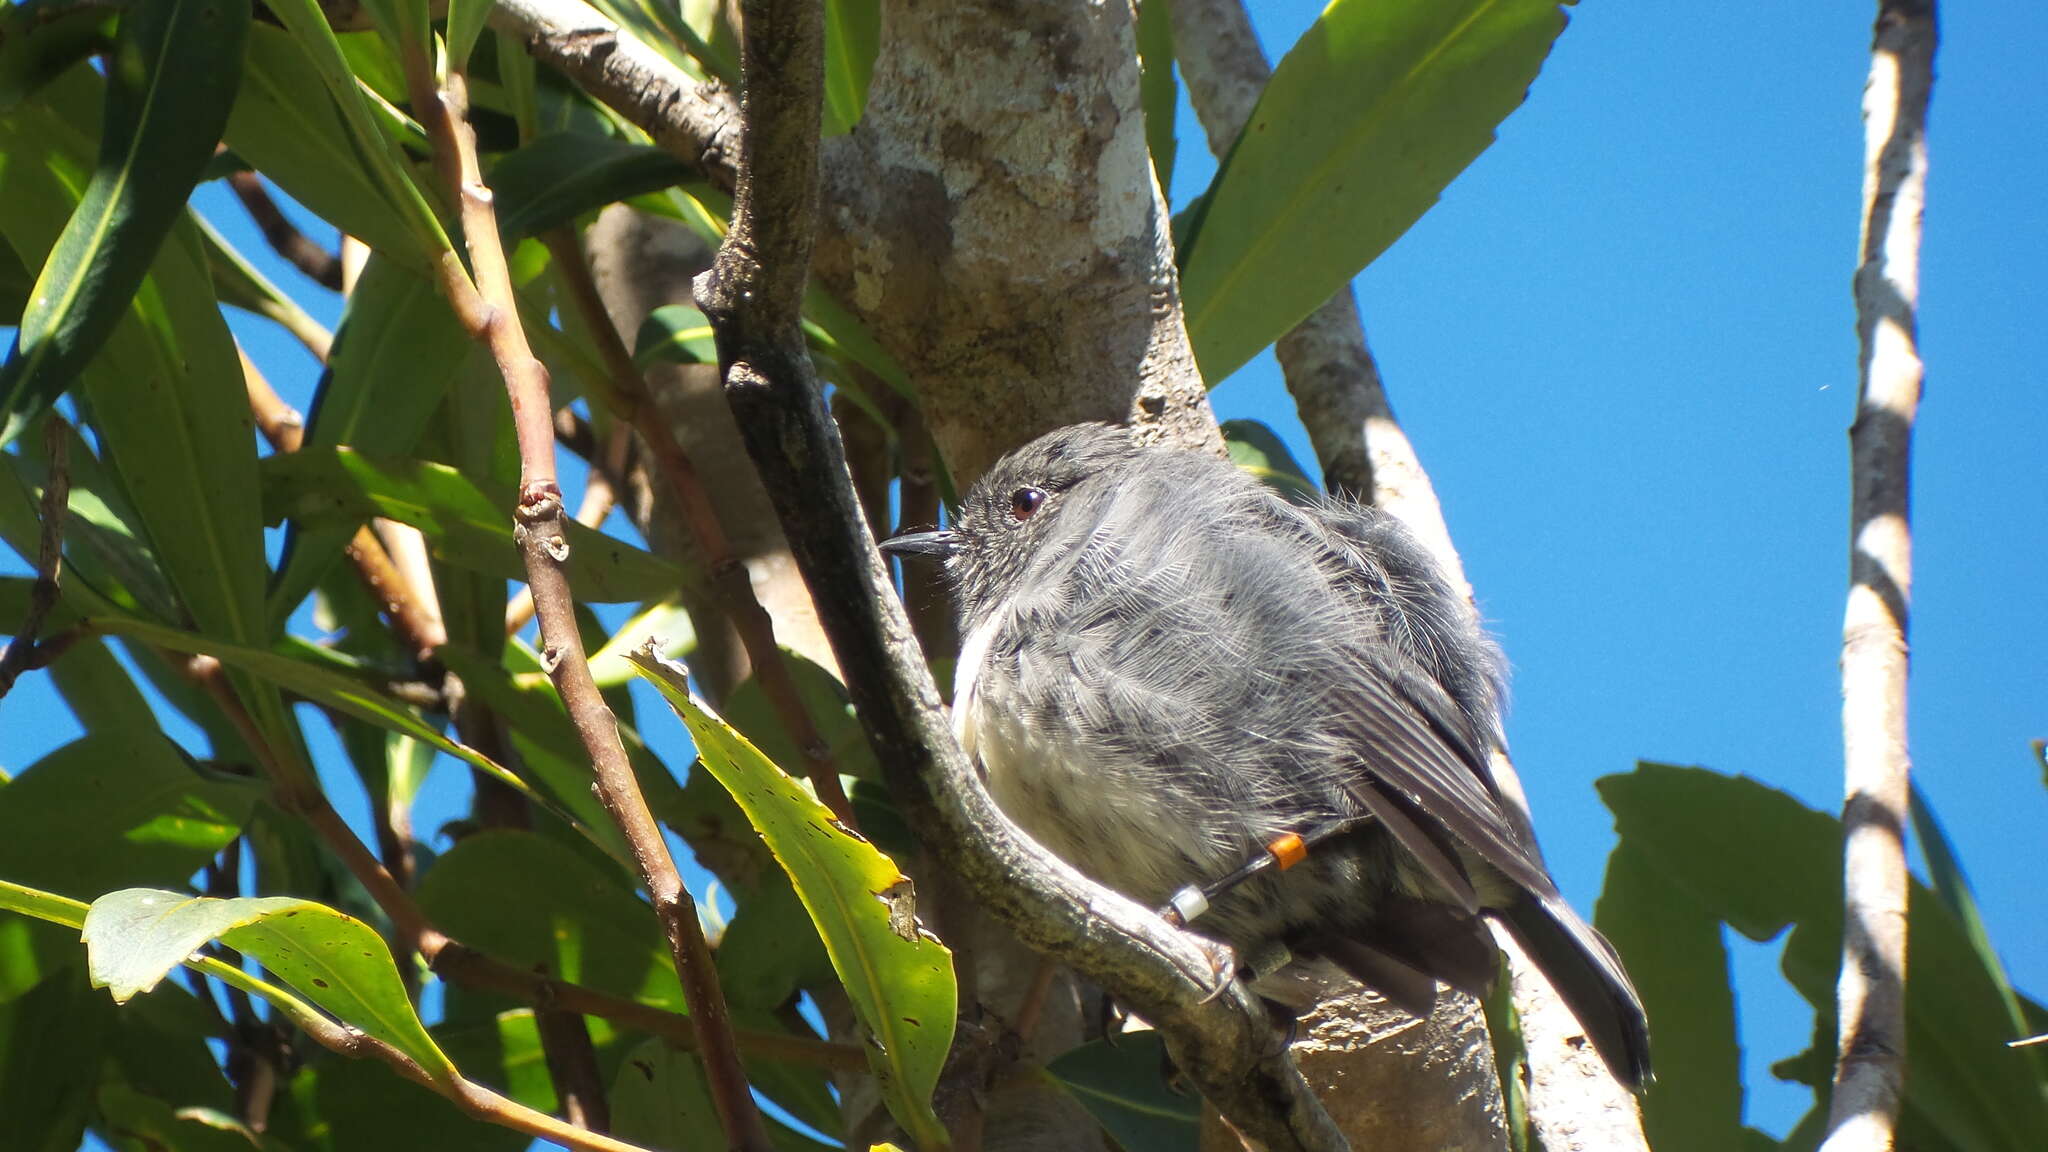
170,81
898,977
286,124
1372,113
1259,451
135,936
463,525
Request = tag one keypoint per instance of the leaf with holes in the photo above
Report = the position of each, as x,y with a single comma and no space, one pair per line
898,977
135,936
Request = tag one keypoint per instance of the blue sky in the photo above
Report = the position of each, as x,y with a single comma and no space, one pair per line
1624,346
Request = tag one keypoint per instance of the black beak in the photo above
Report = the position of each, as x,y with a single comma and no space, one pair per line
939,544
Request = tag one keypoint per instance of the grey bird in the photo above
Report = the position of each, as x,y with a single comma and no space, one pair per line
1167,666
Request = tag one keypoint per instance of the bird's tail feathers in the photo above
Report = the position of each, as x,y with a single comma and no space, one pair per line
1588,975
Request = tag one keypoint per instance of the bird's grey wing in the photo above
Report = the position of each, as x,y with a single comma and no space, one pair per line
1423,753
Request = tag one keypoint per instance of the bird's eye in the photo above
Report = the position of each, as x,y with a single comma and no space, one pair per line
1025,501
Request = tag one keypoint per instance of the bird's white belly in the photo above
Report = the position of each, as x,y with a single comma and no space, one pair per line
1045,780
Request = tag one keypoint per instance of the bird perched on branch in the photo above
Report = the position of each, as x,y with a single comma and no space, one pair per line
1274,718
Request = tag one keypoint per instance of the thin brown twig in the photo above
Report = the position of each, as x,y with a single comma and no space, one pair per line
489,310
417,629
457,962
319,265
1870,1062
730,581
572,1065
42,596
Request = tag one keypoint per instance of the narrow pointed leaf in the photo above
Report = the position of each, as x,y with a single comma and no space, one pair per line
853,32
285,123
135,936
1157,92
395,353
562,175
374,149
1126,1088
572,919
464,526
1374,111
171,80
898,977
322,684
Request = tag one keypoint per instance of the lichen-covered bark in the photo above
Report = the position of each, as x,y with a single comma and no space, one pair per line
995,220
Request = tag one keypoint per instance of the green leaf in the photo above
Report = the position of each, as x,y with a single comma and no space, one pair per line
1757,860
286,124
373,149
667,624
119,806
560,176
41,38
674,334
570,919
464,526
237,282
164,393
171,80
1258,450
660,1100
1375,110
99,691
749,711
548,747
398,347
853,32
134,937
465,23
323,684
1124,1087
770,949
139,1122
52,1043
1158,95
1680,968
116,807
504,1051
898,977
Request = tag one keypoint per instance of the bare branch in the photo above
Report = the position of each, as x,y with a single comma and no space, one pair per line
490,313
42,595
730,581
283,236
697,122
1870,1067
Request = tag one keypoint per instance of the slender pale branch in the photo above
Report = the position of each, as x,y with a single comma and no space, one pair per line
1870,1067
730,581
42,596
540,524
753,295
